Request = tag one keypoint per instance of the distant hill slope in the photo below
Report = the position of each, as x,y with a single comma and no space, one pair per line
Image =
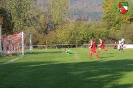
86,9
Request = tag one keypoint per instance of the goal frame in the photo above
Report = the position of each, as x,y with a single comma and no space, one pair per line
21,46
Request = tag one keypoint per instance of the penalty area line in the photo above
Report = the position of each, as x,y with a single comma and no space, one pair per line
75,55
11,61
109,68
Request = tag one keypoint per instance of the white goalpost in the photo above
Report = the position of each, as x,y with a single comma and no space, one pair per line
16,44
26,42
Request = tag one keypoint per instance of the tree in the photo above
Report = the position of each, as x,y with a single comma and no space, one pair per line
112,15
24,13
127,32
58,10
6,18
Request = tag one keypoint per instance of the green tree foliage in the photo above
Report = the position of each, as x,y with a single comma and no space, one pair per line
37,38
27,15
59,10
112,16
70,33
24,13
130,19
7,24
115,21
64,33
127,32
98,30
41,23
79,32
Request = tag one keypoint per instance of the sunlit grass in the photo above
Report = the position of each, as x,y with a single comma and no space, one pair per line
56,69
4,59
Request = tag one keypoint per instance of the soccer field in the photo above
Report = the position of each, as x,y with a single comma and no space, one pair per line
53,68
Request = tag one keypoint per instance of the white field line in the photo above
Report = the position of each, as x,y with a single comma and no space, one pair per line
11,61
114,68
75,55
108,68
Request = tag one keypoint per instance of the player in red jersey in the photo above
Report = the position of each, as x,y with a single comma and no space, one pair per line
93,49
101,46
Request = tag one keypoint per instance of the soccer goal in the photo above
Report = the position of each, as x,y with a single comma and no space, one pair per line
16,44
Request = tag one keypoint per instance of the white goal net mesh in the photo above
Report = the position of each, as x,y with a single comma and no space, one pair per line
16,44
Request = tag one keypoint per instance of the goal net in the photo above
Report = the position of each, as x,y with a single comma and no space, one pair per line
16,44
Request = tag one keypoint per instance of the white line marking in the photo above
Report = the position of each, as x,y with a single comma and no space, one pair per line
76,55
11,61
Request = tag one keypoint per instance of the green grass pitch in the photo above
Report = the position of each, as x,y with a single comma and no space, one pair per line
53,68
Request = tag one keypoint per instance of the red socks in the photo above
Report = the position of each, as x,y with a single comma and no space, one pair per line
90,55
98,51
95,54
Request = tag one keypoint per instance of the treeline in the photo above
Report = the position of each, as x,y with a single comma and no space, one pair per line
79,32
50,22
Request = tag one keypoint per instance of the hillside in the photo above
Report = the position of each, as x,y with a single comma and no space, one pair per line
86,9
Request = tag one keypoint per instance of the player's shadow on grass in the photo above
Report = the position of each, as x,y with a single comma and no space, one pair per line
54,74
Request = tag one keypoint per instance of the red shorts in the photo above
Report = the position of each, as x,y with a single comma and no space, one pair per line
102,47
93,50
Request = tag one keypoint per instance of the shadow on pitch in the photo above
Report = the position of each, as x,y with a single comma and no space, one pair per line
49,74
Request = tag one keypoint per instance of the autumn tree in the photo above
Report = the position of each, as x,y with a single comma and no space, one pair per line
58,10
112,16
115,20
24,13
6,19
